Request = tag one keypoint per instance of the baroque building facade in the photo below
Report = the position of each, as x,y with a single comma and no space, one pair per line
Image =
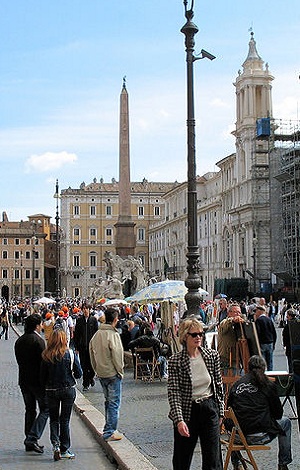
28,257
88,218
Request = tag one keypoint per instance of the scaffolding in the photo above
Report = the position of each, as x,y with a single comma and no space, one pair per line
285,158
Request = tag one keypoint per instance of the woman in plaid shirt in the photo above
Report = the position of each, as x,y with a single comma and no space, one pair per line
196,399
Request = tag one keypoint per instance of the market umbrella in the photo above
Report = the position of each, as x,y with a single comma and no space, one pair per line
161,291
44,300
115,302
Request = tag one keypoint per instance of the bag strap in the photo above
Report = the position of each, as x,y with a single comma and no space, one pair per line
72,358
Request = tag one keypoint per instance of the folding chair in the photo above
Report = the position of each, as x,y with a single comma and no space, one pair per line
237,442
146,365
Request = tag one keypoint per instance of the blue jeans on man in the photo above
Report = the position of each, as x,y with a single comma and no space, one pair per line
284,442
267,353
60,408
112,389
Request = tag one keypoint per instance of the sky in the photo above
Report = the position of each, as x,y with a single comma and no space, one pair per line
62,64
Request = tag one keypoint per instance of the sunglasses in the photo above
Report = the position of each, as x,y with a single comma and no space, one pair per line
194,335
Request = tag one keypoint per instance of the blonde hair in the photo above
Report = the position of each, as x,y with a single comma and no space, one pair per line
56,347
185,327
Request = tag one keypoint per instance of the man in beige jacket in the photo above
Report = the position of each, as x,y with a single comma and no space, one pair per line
107,359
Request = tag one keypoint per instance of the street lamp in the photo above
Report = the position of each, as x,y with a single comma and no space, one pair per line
33,238
193,281
21,275
254,264
57,258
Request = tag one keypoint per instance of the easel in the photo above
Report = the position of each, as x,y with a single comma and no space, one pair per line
242,356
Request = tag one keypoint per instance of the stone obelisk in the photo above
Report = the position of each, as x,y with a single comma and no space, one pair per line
125,238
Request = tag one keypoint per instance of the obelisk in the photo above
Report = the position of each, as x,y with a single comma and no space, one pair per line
125,238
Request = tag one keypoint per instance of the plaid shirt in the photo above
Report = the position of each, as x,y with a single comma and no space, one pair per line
180,383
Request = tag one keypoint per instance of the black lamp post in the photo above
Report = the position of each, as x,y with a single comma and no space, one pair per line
193,281
21,273
33,239
57,283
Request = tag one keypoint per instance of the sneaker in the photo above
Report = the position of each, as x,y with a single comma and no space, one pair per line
67,455
56,453
116,436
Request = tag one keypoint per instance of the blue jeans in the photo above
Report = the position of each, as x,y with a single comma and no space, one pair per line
284,443
267,353
34,424
60,409
112,388
163,366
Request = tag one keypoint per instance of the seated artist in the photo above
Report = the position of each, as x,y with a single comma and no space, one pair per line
148,340
258,409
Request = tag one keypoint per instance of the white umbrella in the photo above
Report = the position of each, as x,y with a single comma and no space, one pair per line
166,290
44,300
115,302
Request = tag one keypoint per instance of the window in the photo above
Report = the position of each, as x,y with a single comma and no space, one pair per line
76,260
4,274
92,210
156,210
108,242
5,241
108,232
76,210
17,274
76,276
76,291
76,242
17,255
27,242
93,242
36,254
141,234
27,274
93,259
76,232
141,211
17,241
36,274
27,254
92,276
108,210
4,255
92,232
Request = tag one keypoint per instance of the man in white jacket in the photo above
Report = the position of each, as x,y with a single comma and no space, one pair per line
107,359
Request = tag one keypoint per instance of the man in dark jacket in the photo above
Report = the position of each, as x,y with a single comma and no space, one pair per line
266,334
28,350
147,340
85,328
258,408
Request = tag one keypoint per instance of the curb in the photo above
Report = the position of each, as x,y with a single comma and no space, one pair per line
123,452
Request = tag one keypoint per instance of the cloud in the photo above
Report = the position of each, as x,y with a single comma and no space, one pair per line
49,161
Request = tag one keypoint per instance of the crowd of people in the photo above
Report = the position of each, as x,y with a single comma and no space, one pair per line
73,339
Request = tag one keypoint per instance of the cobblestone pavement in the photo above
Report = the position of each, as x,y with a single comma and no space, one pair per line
89,455
144,421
